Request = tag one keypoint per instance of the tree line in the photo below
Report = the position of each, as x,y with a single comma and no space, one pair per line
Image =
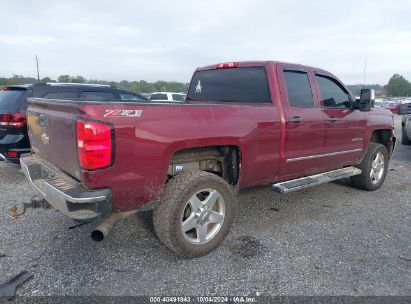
397,86
356,89
141,86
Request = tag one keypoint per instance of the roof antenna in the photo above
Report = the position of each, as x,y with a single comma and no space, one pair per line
365,67
38,73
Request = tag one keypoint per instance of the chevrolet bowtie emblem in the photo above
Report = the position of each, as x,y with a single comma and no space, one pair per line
45,139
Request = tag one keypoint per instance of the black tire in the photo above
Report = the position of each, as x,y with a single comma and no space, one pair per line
168,214
364,181
404,138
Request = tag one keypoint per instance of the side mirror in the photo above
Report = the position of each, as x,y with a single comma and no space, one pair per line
403,109
367,99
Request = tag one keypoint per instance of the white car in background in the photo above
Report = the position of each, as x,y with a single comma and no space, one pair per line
378,103
167,96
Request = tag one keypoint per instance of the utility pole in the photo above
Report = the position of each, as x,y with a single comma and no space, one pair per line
38,73
365,67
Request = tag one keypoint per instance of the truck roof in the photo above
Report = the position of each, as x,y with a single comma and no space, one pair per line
257,63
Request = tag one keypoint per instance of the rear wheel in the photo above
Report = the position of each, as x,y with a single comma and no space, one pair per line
404,138
195,213
374,168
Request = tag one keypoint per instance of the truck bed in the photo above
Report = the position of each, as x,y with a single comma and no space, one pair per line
145,143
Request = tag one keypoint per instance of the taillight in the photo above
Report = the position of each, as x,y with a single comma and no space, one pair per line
227,65
95,144
11,154
13,120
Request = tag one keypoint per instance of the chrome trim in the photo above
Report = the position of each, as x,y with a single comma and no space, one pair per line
289,160
51,193
316,179
21,150
52,185
77,84
2,157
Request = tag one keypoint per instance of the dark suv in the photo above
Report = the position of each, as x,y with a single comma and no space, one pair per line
14,140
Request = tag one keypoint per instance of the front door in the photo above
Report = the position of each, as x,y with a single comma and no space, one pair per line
304,127
345,128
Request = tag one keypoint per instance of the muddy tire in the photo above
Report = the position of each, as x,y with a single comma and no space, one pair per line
374,168
195,213
404,138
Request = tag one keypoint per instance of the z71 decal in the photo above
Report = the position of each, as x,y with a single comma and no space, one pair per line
123,113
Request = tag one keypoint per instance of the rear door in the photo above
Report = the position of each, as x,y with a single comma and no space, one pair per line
304,126
345,128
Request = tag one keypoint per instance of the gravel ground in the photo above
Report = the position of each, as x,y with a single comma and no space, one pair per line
327,240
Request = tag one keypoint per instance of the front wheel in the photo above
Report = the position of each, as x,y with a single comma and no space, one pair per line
195,213
374,168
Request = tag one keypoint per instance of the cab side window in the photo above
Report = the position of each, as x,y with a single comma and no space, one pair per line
298,89
332,94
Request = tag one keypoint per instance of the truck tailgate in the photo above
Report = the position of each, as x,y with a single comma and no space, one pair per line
52,132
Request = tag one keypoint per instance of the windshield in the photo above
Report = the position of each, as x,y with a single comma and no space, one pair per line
230,85
12,100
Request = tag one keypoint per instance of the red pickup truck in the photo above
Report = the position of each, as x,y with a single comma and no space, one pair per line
242,124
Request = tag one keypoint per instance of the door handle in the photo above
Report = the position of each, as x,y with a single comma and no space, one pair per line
331,119
296,119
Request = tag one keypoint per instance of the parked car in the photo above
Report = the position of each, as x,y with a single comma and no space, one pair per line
405,110
393,107
14,140
243,124
379,103
167,96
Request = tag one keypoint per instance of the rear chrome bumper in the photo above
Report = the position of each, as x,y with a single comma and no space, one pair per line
2,157
65,193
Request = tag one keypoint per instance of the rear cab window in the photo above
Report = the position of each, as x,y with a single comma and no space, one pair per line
13,100
242,84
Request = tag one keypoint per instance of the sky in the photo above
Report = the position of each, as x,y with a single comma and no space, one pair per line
167,40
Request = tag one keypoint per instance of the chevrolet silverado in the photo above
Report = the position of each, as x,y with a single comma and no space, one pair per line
242,124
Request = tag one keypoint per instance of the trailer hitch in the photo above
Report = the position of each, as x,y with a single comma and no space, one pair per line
34,203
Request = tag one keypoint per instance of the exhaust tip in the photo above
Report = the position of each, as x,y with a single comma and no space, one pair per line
102,230
97,236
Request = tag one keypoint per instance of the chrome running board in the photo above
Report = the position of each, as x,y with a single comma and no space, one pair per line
313,180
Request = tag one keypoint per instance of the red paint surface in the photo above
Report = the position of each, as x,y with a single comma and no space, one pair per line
145,145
